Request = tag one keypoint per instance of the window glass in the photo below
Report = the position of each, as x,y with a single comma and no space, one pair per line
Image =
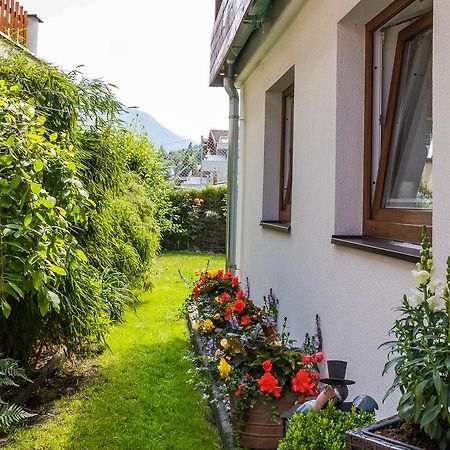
287,151
408,182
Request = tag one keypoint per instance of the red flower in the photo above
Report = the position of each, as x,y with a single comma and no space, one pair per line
240,295
245,321
235,282
227,314
304,383
267,365
309,359
238,306
239,390
270,331
228,275
197,290
224,297
219,273
319,356
268,383
277,391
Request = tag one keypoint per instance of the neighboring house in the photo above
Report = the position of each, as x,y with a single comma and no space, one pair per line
214,162
18,29
344,114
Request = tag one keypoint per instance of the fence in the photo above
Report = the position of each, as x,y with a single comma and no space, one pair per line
14,21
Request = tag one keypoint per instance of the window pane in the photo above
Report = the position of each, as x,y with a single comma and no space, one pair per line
287,151
408,181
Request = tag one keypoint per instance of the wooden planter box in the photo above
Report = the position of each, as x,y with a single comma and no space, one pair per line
365,439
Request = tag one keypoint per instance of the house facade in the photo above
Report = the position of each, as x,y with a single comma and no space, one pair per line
343,157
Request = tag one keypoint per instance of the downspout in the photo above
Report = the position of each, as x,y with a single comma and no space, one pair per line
233,154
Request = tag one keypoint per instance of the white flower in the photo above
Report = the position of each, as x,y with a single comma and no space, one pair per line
419,266
435,302
416,296
436,286
421,276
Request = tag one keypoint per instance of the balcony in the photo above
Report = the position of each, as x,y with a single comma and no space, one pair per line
14,21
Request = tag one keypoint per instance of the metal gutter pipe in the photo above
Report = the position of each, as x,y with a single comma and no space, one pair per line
233,154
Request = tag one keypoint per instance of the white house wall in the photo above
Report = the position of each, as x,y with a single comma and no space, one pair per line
354,292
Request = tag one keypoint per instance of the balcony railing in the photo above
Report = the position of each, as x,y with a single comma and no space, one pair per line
14,21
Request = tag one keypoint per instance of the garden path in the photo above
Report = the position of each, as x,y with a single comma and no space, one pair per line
142,400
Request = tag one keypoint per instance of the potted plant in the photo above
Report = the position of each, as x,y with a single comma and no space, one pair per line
419,353
258,369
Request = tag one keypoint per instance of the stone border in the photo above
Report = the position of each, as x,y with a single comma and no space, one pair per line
221,416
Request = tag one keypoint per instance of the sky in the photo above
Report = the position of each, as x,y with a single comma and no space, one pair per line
156,52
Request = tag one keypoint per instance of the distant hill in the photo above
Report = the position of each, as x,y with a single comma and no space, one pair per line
157,133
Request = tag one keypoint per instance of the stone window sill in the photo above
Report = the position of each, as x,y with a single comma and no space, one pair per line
284,227
393,249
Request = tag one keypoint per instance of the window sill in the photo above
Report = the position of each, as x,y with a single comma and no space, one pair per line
394,249
284,227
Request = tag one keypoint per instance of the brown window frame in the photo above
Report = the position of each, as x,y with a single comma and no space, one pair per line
397,224
286,207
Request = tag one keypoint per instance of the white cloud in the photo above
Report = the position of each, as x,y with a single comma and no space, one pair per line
156,52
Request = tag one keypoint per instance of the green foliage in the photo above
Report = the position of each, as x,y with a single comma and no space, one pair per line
324,430
194,213
185,161
420,352
10,413
82,205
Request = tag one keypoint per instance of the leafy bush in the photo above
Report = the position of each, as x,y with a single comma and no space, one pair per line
82,205
197,217
420,352
10,413
324,430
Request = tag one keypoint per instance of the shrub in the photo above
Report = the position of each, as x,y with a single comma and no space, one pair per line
82,205
323,430
198,218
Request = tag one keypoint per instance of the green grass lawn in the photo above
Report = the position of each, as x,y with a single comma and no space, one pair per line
143,402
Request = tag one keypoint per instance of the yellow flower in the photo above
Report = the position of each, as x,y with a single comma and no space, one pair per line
224,369
224,343
216,316
212,273
197,325
208,324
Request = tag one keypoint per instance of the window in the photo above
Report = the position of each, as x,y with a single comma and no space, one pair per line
398,121
278,153
287,133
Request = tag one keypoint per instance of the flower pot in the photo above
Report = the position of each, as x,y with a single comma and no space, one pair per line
259,430
365,438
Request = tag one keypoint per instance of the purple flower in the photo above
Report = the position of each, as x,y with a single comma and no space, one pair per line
211,346
268,321
234,323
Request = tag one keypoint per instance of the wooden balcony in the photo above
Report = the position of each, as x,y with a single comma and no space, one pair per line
14,21
229,20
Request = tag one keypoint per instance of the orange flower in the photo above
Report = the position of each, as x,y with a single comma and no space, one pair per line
245,321
304,383
238,306
268,383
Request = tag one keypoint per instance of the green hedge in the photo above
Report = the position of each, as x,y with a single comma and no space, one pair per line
82,206
198,220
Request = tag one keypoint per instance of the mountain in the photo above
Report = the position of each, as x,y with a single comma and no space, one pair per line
157,133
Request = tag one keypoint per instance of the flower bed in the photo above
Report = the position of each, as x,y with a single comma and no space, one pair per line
245,355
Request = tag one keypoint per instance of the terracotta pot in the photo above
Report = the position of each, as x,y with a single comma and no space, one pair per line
259,431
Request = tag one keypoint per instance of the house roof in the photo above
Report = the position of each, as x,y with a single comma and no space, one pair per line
218,134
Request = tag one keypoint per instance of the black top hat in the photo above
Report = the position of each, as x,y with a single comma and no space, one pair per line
336,373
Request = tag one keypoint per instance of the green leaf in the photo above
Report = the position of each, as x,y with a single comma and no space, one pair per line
58,270
38,279
35,188
6,160
430,415
38,165
48,202
81,255
53,137
55,300
28,219
10,140
43,302
71,166
6,308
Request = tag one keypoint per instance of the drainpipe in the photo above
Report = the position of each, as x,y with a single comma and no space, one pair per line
233,139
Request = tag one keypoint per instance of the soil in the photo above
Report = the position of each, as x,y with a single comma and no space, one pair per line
65,382
414,437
